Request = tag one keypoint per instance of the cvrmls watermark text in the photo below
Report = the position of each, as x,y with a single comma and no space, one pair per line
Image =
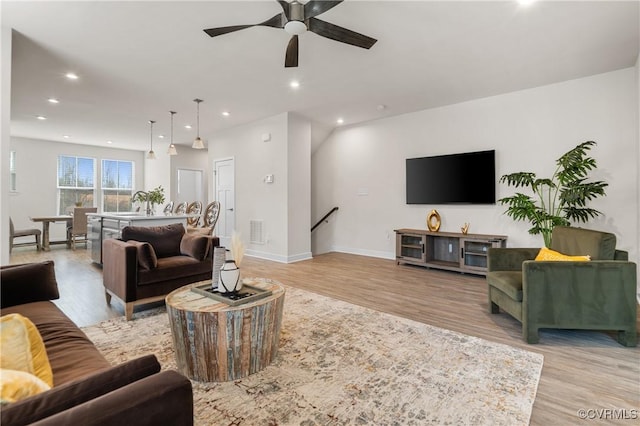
608,414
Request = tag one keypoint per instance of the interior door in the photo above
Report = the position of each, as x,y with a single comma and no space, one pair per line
225,194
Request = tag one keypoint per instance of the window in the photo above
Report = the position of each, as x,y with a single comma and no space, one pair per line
76,182
12,172
117,185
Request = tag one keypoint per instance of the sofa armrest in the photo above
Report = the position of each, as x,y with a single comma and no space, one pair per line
600,294
509,259
68,395
120,268
26,283
165,398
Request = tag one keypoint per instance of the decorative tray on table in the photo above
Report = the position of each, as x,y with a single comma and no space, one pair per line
246,294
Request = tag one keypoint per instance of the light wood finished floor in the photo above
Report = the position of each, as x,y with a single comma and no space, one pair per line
582,369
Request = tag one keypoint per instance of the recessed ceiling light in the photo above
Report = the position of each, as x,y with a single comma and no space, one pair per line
161,136
71,76
525,2
66,136
226,113
339,121
53,101
294,84
41,117
109,142
187,126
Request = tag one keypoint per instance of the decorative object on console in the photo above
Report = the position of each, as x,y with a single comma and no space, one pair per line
560,199
465,228
151,155
433,221
298,17
172,148
197,143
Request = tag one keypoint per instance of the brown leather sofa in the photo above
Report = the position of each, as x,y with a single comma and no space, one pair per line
87,390
148,263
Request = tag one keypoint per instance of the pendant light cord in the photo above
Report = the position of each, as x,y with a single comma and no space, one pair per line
198,119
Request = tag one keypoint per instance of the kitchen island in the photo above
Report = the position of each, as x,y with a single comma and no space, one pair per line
101,226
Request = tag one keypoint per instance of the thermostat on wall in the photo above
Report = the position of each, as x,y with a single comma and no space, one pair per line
268,179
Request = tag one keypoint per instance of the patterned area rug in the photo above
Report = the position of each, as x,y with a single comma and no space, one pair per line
341,364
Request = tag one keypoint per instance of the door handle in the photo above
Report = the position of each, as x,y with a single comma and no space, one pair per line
231,209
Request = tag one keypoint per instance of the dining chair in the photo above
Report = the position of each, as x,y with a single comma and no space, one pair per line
209,219
78,227
211,214
181,208
194,208
13,234
168,209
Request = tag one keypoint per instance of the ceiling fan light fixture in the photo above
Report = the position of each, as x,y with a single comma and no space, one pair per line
197,144
295,27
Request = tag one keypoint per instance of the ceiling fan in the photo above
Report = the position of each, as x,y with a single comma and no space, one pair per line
297,18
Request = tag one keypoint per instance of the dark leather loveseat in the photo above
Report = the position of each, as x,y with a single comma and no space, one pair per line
86,390
148,263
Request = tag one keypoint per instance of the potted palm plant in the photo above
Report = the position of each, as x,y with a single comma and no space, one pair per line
557,200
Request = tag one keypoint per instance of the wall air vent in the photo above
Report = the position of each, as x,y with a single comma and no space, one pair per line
256,233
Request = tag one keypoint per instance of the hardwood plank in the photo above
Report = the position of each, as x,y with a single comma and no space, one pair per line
582,369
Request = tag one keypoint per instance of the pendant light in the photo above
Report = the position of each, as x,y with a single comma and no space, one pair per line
198,144
151,155
172,148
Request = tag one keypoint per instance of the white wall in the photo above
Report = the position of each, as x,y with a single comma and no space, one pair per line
157,173
36,176
192,159
269,202
5,117
299,188
528,129
255,199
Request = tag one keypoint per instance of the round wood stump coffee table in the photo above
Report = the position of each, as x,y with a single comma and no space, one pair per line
216,342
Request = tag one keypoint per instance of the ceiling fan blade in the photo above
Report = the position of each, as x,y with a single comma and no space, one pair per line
225,30
316,7
291,58
276,21
334,32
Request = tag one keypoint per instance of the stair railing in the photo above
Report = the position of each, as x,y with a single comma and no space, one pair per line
324,218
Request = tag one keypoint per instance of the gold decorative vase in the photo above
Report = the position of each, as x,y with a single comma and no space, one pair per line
433,221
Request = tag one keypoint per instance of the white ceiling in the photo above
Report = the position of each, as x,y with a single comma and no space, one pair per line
138,60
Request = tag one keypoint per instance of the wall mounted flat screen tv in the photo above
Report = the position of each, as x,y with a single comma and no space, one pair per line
467,178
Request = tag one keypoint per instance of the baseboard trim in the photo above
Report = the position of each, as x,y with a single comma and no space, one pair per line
361,252
279,258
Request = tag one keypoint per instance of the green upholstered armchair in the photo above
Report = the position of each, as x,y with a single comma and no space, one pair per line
595,295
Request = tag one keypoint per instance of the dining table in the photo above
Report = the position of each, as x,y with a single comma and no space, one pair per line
48,220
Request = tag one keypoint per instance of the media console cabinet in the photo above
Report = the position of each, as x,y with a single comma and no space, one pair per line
446,250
